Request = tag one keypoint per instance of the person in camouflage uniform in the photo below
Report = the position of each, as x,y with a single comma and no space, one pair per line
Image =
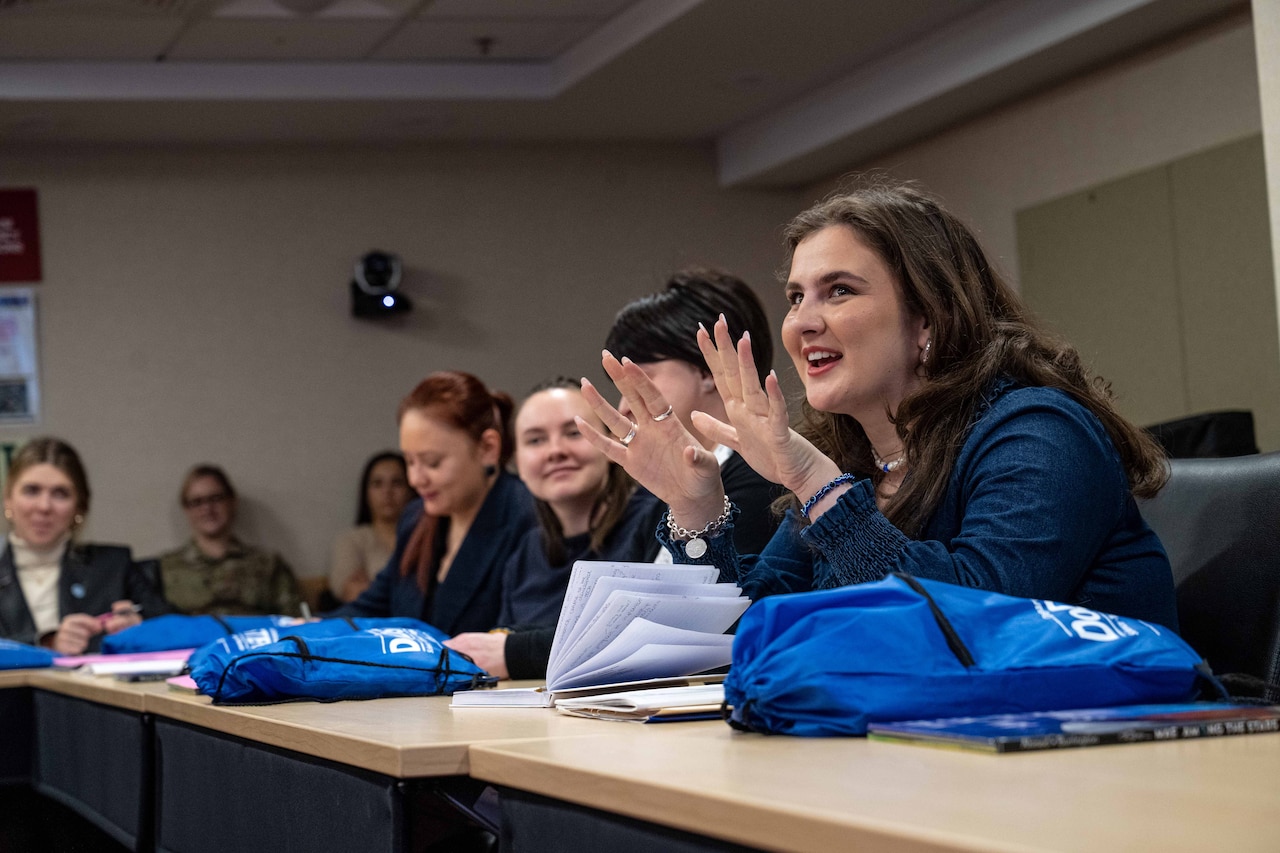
216,573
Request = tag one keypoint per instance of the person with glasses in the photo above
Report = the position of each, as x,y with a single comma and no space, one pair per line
215,573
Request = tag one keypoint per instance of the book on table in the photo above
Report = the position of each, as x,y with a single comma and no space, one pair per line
655,705
624,625
1083,727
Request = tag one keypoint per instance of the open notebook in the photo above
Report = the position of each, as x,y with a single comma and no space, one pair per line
623,623
662,704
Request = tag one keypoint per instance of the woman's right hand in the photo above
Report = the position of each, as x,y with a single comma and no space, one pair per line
74,633
661,454
487,651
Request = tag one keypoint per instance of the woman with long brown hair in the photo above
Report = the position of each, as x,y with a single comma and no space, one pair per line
944,433
453,540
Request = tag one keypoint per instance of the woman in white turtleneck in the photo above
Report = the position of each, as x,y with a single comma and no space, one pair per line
55,592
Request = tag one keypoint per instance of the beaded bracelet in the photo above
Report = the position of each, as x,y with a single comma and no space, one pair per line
696,545
822,493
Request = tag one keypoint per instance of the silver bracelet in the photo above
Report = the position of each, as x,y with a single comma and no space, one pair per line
696,540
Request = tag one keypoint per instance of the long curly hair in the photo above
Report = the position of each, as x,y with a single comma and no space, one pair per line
981,331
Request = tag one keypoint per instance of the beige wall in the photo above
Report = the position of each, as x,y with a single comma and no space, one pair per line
1163,280
195,303
1177,99
1266,15
1196,93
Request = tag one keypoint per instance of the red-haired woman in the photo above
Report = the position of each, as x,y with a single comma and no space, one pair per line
453,540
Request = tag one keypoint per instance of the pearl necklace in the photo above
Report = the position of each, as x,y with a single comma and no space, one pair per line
887,467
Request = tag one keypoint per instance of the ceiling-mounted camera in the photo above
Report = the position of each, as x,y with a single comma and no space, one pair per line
373,290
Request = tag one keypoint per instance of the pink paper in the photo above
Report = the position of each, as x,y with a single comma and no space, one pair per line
75,661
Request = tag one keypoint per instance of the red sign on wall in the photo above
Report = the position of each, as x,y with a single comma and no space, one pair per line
19,236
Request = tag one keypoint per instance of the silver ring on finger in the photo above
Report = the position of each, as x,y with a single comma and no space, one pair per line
626,440
668,413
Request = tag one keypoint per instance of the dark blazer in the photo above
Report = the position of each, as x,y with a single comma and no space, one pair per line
92,577
753,495
471,595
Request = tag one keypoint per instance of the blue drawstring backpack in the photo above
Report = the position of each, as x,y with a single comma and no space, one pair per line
215,655
830,662
174,631
370,664
21,656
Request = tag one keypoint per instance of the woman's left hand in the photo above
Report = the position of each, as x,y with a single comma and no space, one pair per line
489,651
759,427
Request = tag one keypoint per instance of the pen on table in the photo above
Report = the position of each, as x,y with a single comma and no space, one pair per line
305,610
123,611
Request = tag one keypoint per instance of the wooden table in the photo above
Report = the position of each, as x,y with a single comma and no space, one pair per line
403,738
782,793
305,775
716,785
329,766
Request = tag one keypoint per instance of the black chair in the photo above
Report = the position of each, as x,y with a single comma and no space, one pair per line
1228,433
1219,520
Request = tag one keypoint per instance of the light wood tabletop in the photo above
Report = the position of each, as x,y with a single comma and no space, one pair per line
404,737
14,677
103,689
785,793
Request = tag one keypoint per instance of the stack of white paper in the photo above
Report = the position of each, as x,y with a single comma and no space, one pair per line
636,621
626,622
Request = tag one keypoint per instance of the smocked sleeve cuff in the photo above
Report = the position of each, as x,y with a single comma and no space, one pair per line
859,544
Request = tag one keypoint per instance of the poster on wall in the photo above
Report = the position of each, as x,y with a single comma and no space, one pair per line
19,380
19,236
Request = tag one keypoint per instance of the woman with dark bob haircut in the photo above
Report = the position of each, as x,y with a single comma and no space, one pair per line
654,332
943,434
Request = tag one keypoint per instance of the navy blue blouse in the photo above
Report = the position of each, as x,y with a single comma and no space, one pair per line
1037,506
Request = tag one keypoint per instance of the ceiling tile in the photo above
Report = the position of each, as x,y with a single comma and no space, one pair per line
85,37
312,39
525,9
436,40
306,9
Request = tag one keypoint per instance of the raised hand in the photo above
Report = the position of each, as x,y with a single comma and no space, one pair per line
759,428
655,449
